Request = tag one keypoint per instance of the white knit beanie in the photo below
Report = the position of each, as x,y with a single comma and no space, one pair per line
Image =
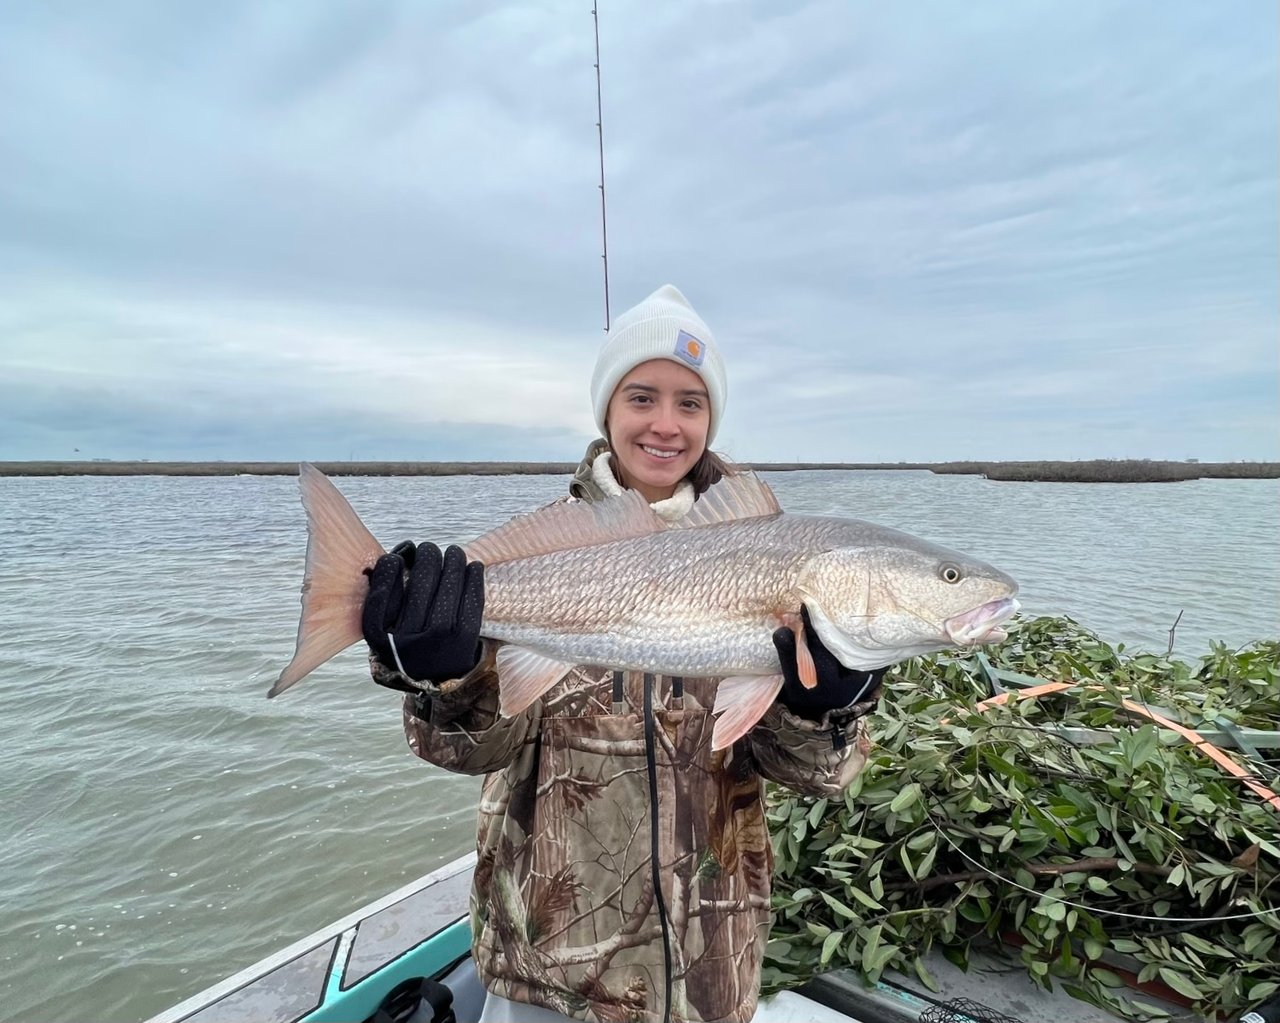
663,326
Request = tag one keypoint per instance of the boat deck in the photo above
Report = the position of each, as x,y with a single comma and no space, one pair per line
343,971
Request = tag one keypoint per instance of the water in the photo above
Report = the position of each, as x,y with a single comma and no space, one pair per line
163,825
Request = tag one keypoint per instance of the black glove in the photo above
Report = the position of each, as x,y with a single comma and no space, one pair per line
837,686
428,630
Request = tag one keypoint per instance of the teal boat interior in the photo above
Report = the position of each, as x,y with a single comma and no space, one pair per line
378,957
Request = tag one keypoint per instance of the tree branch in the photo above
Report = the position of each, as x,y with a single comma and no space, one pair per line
1091,864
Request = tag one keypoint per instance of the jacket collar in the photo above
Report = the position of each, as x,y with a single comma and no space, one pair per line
595,481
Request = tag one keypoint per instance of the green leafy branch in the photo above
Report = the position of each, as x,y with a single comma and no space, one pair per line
1007,829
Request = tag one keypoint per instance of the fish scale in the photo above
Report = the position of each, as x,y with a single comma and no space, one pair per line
610,584
692,602
680,602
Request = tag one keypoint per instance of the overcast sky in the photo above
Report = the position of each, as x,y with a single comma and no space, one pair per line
371,230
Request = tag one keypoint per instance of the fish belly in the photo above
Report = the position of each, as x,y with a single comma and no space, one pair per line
728,649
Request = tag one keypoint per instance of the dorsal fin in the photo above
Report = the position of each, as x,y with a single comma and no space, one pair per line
567,526
743,496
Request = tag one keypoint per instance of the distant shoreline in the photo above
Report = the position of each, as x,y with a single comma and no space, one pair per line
1094,471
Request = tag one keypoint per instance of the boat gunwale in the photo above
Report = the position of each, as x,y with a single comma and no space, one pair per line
316,939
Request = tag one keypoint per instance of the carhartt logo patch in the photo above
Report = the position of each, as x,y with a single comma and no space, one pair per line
690,349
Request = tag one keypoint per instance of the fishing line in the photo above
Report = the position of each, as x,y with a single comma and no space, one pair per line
983,869
1261,779
1080,905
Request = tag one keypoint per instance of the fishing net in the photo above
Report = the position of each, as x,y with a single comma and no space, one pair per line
963,1010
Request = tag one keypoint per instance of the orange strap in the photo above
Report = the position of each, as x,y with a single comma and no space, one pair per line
1192,736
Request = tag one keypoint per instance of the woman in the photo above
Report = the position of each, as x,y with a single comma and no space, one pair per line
624,868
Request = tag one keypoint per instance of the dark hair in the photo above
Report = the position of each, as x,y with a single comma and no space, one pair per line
708,471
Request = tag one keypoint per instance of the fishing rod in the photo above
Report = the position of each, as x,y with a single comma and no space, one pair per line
604,227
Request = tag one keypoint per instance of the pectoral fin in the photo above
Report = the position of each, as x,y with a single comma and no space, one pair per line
805,668
523,676
741,701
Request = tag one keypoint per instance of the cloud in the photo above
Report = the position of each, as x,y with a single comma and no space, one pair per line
278,371
920,232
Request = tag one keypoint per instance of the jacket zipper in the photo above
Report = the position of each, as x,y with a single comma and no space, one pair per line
652,763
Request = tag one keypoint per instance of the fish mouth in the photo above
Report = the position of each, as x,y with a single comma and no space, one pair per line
982,624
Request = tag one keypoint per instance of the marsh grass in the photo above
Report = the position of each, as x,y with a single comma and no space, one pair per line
1120,470
1097,471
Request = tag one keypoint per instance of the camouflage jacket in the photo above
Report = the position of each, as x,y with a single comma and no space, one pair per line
624,868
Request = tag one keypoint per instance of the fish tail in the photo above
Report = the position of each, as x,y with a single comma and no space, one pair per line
334,587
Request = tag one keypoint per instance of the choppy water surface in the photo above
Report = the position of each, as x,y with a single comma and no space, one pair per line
162,824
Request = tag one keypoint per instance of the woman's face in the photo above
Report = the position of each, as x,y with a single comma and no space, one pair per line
657,422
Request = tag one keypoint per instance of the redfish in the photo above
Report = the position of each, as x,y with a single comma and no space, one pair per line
611,584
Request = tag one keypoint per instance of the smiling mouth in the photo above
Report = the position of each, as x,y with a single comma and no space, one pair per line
657,453
982,624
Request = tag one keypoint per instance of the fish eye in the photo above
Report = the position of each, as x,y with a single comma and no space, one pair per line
950,573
